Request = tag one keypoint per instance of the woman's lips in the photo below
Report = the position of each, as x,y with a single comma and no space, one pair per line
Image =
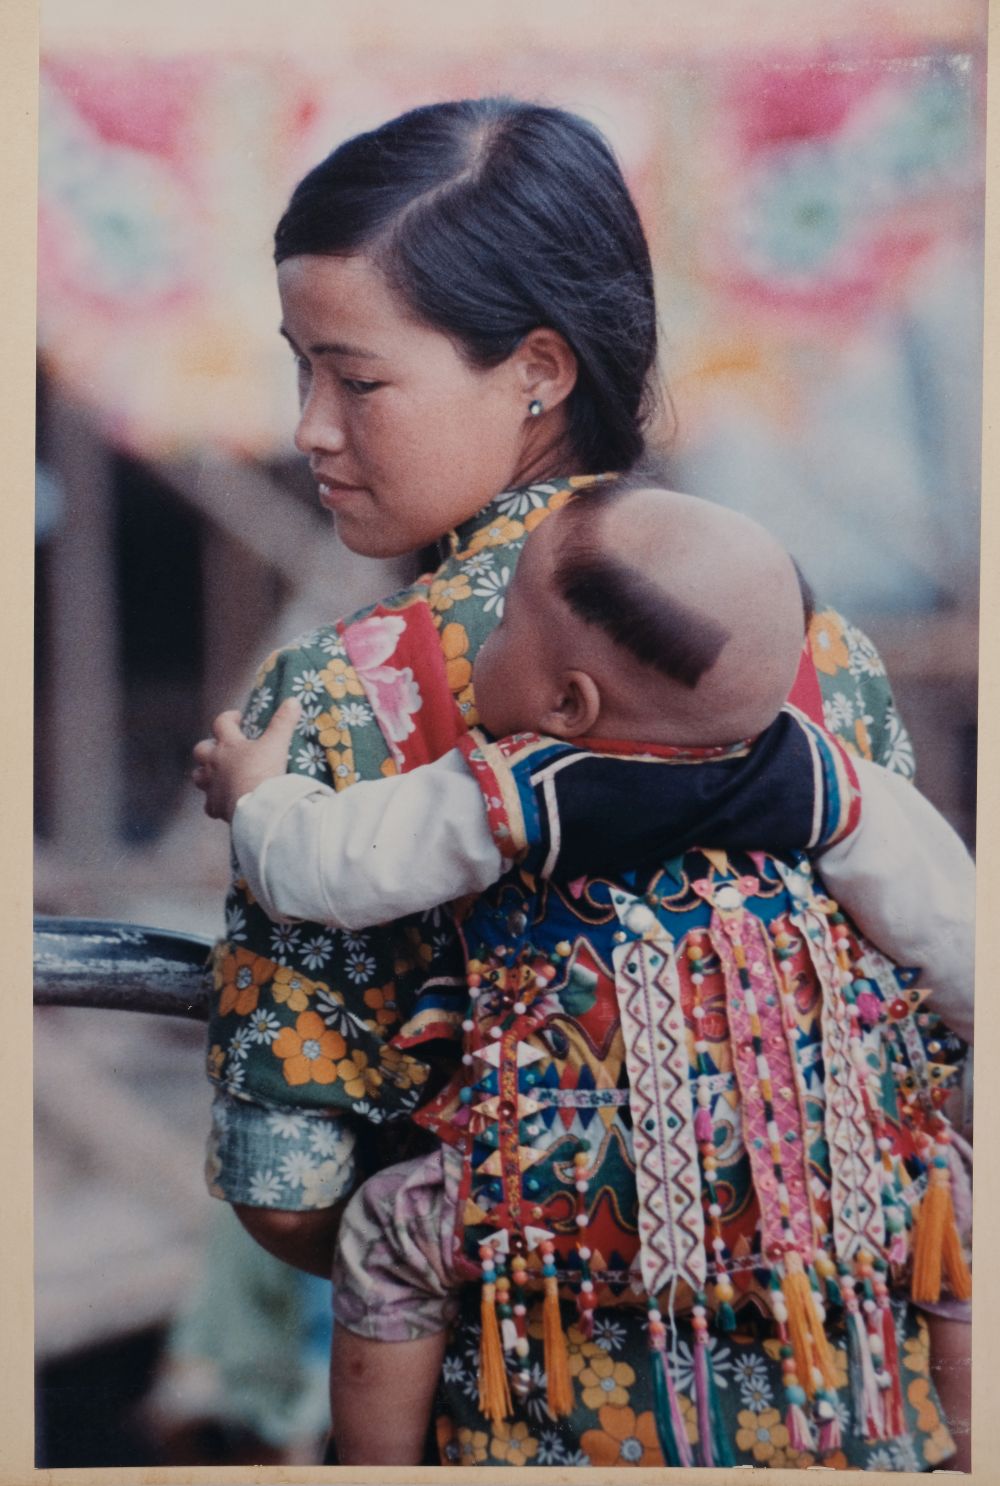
333,495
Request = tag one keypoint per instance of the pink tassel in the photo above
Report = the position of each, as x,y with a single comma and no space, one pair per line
677,1423
800,1434
898,1248
702,1399
703,1125
895,1419
830,1435
867,1394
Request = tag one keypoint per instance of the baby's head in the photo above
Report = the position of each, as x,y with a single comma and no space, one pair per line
638,613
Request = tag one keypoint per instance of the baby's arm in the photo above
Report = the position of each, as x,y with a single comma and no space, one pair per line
370,854
909,884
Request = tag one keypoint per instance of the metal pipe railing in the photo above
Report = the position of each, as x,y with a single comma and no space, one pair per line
122,967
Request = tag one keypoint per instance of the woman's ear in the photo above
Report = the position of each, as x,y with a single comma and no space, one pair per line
575,708
546,367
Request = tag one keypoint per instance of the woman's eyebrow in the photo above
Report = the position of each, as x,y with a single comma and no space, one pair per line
334,348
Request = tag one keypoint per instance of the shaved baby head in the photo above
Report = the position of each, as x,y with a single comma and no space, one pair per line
704,610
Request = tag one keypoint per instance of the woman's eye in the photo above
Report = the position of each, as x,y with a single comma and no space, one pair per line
359,388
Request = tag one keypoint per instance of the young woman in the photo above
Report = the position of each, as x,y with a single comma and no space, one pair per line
468,296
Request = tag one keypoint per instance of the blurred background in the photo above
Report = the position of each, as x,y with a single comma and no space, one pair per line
813,198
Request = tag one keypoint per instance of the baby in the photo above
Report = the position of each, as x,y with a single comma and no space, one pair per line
687,642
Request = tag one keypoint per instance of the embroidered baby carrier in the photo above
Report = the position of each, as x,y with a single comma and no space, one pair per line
696,1089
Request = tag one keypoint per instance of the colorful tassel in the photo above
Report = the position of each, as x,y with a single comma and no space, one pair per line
895,1422
494,1389
936,1244
713,1436
814,1362
667,1416
557,1376
865,1392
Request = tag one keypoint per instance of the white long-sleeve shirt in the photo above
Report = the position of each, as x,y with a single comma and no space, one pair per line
389,847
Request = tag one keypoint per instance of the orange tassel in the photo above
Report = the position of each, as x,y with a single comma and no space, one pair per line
494,1389
805,1331
559,1383
959,1278
936,1243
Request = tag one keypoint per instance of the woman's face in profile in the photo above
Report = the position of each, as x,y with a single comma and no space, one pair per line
404,438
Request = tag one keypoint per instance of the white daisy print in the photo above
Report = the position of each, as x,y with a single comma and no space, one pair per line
323,1184
324,1139
306,724
236,923
355,714
479,562
284,938
239,1043
315,953
308,686
609,1334
235,1074
288,1126
264,1027
838,711
900,757
310,759
360,968
355,942
259,702
331,644
520,502
295,1166
492,587
265,1189
864,658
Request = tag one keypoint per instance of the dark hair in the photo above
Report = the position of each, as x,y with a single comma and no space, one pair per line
634,612
653,626
491,217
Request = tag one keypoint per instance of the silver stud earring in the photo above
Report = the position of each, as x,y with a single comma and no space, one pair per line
535,407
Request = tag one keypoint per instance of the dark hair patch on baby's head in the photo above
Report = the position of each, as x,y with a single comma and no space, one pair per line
636,613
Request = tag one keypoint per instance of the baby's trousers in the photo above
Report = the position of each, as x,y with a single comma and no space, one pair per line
393,1275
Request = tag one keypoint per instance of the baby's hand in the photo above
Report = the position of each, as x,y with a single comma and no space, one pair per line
228,765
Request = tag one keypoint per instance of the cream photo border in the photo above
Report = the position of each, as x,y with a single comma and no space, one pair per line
519,23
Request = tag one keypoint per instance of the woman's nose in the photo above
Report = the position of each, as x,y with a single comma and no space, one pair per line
319,428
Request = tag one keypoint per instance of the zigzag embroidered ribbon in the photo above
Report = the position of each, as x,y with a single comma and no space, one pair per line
855,1178
671,1220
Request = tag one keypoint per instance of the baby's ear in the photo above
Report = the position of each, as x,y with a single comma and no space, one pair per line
575,707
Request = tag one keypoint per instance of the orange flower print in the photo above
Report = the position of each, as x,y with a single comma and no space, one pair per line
498,534
623,1439
762,1434
512,1443
341,679
356,1075
448,591
862,738
689,1413
455,644
473,1445
916,1350
605,1381
309,1053
400,1068
239,975
292,989
382,1000
928,1417
216,1061
827,643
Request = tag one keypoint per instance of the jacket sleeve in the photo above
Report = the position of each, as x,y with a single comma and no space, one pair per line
568,811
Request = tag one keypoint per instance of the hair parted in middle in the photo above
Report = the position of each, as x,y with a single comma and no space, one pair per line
490,217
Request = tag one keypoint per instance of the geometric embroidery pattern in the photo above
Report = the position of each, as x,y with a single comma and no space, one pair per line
855,1171
671,1218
